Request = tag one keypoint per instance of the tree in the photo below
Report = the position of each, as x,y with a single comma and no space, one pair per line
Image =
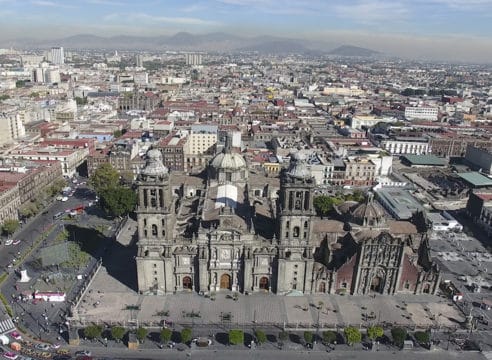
105,177
260,336
329,337
117,333
375,332
323,204
20,83
308,337
118,201
10,226
165,335
80,100
399,335
93,332
422,337
186,335
283,336
353,335
142,334
236,337
117,133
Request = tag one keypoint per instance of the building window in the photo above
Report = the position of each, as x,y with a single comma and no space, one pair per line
155,265
296,231
154,230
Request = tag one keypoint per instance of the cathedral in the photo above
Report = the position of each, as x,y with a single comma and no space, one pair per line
238,230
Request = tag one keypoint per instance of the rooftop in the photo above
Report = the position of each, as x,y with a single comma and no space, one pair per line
476,179
429,160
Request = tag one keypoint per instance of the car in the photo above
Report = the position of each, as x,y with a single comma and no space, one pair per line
11,355
16,242
62,357
44,347
65,198
16,335
9,242
55,346
83,353
59,198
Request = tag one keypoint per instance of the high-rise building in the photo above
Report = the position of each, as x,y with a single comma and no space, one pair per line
57,56
139,60
193,59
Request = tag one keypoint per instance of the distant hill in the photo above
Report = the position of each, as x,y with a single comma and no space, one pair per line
349,50
184,41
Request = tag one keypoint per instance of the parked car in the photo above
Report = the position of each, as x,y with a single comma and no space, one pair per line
16,242
44,347
9,242
11,355
62,357
16,335
83,353
65,198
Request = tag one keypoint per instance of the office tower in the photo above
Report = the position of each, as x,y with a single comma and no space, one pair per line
57,56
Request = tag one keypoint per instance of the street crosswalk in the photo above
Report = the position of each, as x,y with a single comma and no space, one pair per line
6,326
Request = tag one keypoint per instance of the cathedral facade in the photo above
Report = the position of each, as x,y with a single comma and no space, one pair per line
235,230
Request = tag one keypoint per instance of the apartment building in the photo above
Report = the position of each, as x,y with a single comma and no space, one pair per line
359,171
422,113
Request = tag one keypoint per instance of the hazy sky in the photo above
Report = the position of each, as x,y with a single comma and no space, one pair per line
433,28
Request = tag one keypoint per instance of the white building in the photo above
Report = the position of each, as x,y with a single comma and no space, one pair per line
193,59
11,126
57,56
397,146
421,113
359,121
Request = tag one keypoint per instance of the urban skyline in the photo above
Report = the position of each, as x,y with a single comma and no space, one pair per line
410,29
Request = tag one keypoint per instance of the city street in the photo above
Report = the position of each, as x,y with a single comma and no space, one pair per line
45,320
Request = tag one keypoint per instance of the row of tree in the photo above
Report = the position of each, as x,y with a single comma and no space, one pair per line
236,337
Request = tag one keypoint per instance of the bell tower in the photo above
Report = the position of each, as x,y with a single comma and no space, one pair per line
295,255
155,218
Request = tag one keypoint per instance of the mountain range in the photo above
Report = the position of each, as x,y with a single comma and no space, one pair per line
190,42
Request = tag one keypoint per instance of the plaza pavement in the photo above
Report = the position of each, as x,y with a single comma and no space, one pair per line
112,291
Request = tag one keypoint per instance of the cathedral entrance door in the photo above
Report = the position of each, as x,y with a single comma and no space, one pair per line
377,284
225,281
322,287
264,285
187,283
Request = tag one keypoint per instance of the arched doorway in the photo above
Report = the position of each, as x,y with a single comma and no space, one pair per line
377,284
264,283
225,281
426,289
187,284
322,287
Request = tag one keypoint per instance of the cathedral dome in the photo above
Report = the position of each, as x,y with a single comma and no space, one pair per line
298,167
154,165
228,160
368,213
345,207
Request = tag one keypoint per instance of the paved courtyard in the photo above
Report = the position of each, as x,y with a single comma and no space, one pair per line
111,298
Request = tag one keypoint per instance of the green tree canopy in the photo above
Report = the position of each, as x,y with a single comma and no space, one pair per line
399,335
353,335
308,337
186,335
283,336
10,226
375,332
142,334
105,177
166,335
422,337
117,133
118,201
236,337
324,204
260,336
329,337
93,331
117,333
